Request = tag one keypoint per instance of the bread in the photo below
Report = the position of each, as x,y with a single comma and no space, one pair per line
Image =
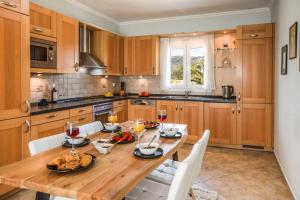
85,160
71,161
57,161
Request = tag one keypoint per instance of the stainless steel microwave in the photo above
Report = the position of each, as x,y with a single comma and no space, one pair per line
43,54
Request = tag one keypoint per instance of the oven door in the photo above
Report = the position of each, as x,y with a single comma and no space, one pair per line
101,116
42,54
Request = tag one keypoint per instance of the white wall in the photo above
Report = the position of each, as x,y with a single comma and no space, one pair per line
287,97
196,23
83,14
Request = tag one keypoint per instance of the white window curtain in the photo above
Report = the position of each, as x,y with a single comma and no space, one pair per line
207,42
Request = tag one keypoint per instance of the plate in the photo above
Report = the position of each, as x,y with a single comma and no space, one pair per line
54,168
110,131
177,135
157,154
125,141
156,124
69,145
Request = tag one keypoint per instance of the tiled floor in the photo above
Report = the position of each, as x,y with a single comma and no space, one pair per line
235,174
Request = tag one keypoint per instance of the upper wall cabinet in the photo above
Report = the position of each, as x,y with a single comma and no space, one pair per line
14,65
42,21
67,44
129,52
147,55
255,31
21,6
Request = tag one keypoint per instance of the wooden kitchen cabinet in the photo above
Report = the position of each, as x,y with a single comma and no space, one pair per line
190,113
221,120
255,122
147,55
48,129
67,44
145,112
122,113
110,53
129,56
21,6
15,136
42,21
82,119
14,65
257,70
255,31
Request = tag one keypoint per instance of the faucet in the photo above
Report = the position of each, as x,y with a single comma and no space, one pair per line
187,93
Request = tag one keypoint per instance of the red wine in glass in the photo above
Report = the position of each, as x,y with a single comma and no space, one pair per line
72,134
162,117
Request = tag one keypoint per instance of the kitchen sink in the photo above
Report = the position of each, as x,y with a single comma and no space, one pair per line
182,97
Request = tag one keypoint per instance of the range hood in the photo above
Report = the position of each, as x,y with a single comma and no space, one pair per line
87,62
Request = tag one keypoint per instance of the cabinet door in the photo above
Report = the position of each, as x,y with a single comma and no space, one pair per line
255,124
110,53
172,109
257,71
15,136
42,21
129,58
120,45
220,119
21,6
82,119
14,65
191,113
146,55
146,113
48,129
121,113
67,44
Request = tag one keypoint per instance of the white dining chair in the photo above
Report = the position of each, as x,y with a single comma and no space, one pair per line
166,171
92,128
181,183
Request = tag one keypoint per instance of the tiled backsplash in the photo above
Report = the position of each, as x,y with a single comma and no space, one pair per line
71,85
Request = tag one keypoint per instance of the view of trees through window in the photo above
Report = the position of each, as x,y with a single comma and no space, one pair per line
180,68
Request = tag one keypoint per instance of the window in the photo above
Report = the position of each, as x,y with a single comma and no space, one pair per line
187,64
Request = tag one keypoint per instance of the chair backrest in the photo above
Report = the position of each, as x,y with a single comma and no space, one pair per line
92,128
188,170
46,143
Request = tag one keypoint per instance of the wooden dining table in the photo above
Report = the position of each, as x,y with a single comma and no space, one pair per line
111,178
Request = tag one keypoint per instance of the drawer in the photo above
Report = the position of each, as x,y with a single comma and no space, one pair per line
120,103
81,111
82,119
255,31
49,117
48,129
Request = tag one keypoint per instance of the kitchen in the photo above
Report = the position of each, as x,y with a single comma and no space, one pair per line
67,63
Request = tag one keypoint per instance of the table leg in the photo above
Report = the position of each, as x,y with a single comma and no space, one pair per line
175,156
42,196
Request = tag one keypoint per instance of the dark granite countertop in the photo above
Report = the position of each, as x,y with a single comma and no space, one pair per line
87,101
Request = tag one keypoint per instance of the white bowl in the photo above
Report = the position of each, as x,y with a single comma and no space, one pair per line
77,140
148,151
110,126
104,148
171,131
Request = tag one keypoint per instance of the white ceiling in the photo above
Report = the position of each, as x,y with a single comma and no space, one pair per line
130,10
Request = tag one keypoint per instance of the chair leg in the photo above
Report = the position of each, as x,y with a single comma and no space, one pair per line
192,194
175,156
42,196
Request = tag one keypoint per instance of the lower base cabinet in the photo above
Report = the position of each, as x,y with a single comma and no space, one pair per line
82,119
145,112
15,135
255,122
220,119
121,113
48,129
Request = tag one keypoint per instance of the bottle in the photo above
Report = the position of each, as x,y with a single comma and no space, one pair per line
54,94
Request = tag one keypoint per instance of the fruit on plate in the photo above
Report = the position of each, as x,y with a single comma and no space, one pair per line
121,136
108,94
150,124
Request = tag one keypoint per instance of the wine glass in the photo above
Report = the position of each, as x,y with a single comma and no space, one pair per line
72,132
112,118
139,128
162,117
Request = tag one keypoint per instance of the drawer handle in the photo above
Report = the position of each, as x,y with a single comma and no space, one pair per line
253,35
51,116
81,110
81,119
27,126
38,30
9,4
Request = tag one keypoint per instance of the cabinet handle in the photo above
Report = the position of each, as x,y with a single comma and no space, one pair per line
27,106
181,107
81,119
239,97
27,126
9,4
153,70
239,109
51,116
81,110
125,70
38,30
233,110
253,35
176,107
76,66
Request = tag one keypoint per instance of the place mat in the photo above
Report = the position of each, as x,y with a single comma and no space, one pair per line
157,154
84,143
176,136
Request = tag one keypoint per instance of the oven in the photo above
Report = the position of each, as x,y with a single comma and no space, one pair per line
43,54
101,111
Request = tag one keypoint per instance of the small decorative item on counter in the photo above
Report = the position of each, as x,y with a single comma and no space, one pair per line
122,89
43,102
108,95
144,94
54,94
